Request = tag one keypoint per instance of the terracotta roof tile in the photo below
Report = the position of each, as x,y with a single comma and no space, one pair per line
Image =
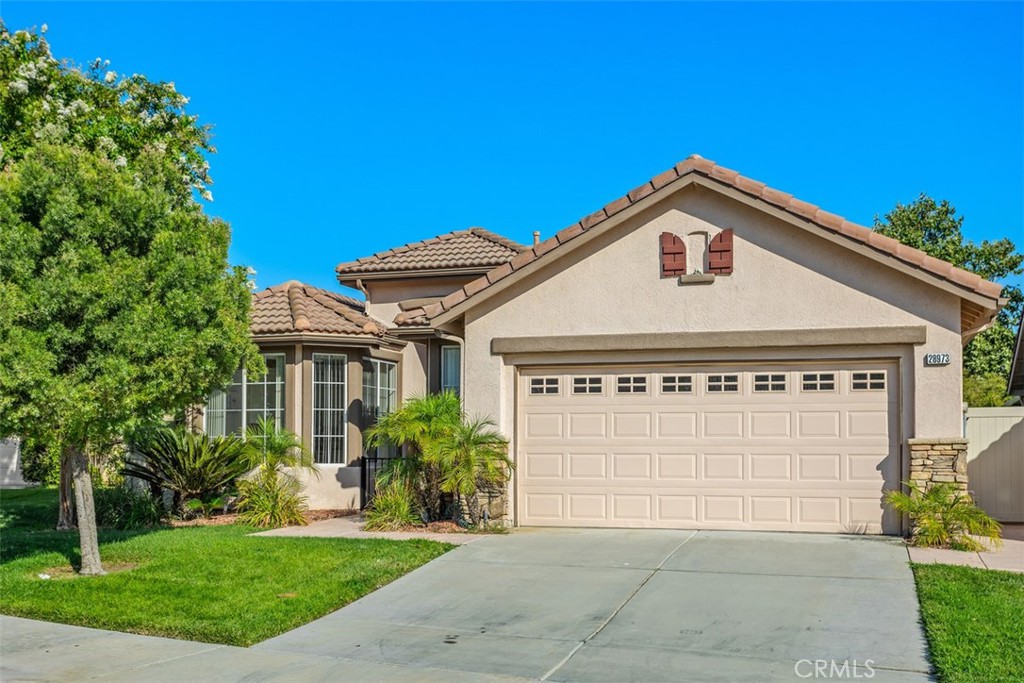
473,248
294,307
801,209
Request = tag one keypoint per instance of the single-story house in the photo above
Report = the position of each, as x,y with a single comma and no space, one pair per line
703,352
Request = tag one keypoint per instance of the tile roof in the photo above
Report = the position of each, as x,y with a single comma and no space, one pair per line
414,317
699,166
473,248
294,307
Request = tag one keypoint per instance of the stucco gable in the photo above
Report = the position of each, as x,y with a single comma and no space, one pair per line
980,297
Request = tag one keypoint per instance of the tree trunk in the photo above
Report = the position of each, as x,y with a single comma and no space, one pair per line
87,537
66,518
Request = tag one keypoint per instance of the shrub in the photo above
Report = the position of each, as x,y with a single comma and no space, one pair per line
270,501
273,496
122,508
393,508
190,465
944,517
40,462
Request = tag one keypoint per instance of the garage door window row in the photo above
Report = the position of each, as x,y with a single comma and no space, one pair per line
717,383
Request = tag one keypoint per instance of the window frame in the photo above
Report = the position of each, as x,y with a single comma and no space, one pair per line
334,456
681,384
815,385
874,380
278,412
772,382
722,383
628,385
445,368
373,369
544,382
584,385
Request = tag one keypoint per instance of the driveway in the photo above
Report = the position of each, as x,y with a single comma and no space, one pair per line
562,605
620,605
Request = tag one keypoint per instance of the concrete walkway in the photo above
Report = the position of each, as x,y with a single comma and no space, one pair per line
560,605
1009,558
352,527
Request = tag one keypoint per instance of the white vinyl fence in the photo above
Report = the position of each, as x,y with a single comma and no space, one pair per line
995,460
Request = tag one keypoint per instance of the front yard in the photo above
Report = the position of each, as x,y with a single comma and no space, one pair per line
212,584
972,618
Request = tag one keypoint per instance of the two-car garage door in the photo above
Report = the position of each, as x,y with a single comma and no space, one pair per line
771,447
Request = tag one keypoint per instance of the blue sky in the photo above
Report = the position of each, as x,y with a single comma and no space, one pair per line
345,128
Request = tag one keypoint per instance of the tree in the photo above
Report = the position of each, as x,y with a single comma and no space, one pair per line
119,306
472,457
935,228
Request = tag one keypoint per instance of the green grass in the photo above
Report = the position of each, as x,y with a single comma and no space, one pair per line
972,618
211,584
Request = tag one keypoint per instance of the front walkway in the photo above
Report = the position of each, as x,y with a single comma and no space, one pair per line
352,527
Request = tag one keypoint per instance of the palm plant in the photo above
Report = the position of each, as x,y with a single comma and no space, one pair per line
944,517
189,465
415,427
272,497
473,456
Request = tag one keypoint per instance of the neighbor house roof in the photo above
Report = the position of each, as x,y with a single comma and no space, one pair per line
1016,384
474,249
708,173
294,307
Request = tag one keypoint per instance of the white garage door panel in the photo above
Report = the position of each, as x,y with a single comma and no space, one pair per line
790,460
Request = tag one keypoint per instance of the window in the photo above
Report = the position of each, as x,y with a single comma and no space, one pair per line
246,400
380,397
587,385
769,382
330,408
543,386
723,384
451,369
677,384
631,384
818,381
868,381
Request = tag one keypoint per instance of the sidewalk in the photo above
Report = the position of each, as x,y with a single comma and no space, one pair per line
1009,558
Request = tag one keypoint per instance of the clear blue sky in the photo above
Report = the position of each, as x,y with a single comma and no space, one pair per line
344,129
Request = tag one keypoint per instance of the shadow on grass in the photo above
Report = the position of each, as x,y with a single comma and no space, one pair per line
28,518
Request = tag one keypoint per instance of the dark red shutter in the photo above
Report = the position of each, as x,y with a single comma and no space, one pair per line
673,255
720,253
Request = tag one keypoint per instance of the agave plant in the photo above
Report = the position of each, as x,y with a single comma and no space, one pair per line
192,466
944,517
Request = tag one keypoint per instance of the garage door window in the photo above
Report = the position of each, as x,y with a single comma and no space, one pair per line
723,384
587,385
769,383
543,386
677,384
868,381
818,381
631,384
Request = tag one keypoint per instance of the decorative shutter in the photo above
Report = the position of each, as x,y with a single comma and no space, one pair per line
673,255
720,253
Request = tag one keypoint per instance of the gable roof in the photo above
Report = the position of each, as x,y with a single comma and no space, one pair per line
474,249
710,174
294,307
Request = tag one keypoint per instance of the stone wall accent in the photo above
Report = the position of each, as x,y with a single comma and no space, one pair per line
938,460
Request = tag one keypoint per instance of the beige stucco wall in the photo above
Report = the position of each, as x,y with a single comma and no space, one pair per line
785,278
383,296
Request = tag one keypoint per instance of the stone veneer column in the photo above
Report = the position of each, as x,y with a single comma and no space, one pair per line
938,460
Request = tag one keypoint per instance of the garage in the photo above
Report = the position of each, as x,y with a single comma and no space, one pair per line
783,447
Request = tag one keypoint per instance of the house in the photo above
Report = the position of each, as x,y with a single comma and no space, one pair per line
703,352
1015,383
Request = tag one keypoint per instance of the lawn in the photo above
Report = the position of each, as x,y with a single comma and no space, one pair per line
972,618
212,584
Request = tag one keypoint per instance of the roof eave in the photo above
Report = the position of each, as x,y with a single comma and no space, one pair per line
348,279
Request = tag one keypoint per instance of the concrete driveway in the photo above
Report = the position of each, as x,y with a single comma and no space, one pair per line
618,605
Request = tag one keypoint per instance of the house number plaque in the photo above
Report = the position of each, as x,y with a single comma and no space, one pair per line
936,359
